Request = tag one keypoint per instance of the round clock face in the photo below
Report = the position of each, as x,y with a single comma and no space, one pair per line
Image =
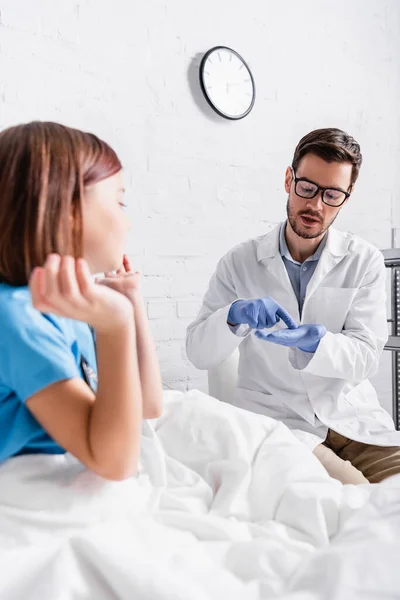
227,83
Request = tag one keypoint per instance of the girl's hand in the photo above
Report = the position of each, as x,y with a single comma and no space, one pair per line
126,281
64,287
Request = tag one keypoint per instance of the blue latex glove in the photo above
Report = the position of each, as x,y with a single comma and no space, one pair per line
305,337
259,314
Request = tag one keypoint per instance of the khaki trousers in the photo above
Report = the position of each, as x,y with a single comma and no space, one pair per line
354,462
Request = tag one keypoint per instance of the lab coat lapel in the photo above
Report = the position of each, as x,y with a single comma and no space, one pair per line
269,255
335,250
277,269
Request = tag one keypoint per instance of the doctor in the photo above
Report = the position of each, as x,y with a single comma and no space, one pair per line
306,305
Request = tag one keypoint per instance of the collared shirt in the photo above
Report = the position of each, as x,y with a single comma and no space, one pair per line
299,273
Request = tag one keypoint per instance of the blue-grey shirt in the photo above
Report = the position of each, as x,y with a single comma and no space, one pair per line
299,273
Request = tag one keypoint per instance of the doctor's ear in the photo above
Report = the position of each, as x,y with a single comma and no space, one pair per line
350,191
288,179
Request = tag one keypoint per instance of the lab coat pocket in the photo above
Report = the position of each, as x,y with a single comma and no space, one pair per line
331,306
363,396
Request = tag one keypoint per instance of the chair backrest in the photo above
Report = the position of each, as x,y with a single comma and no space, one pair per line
222,380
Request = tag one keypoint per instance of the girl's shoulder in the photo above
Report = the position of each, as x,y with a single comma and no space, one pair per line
15,304
23,327
17,313
38,349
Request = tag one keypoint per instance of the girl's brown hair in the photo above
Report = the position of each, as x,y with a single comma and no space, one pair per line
44,169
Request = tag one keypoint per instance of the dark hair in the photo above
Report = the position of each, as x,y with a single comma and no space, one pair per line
332,145
44,169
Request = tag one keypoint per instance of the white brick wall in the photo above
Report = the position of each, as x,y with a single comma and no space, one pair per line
198,184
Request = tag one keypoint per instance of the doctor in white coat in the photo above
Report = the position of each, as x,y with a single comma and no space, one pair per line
306,306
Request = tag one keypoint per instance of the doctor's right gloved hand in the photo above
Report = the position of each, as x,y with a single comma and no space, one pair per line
259,314
306,337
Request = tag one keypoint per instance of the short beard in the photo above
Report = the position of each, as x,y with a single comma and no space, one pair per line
302,234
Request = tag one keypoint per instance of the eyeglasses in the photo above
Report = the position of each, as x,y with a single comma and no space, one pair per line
308,189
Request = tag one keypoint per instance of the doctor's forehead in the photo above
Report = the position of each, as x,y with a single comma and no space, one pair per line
334,174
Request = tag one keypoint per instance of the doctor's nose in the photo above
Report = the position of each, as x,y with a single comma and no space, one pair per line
316,202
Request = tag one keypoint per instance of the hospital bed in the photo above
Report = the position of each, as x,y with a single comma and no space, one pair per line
227,504
222,379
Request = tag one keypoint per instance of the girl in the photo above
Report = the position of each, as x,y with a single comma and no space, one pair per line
62,220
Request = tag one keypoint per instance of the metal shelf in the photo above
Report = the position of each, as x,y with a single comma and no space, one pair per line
392,261
393,343
392,257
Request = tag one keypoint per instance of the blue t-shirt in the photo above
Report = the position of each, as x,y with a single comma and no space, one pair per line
36,350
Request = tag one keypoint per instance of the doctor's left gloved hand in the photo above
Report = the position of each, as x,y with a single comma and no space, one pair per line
305,337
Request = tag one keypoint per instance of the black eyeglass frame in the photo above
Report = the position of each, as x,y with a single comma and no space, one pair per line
319,189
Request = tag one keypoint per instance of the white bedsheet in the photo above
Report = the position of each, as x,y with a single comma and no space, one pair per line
228,504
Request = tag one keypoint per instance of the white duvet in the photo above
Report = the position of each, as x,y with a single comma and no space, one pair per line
227,505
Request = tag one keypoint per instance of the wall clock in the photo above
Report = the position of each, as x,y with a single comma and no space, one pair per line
227,83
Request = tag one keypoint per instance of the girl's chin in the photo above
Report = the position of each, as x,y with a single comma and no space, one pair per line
107,267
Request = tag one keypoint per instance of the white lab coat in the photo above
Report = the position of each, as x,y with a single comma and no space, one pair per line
308,392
